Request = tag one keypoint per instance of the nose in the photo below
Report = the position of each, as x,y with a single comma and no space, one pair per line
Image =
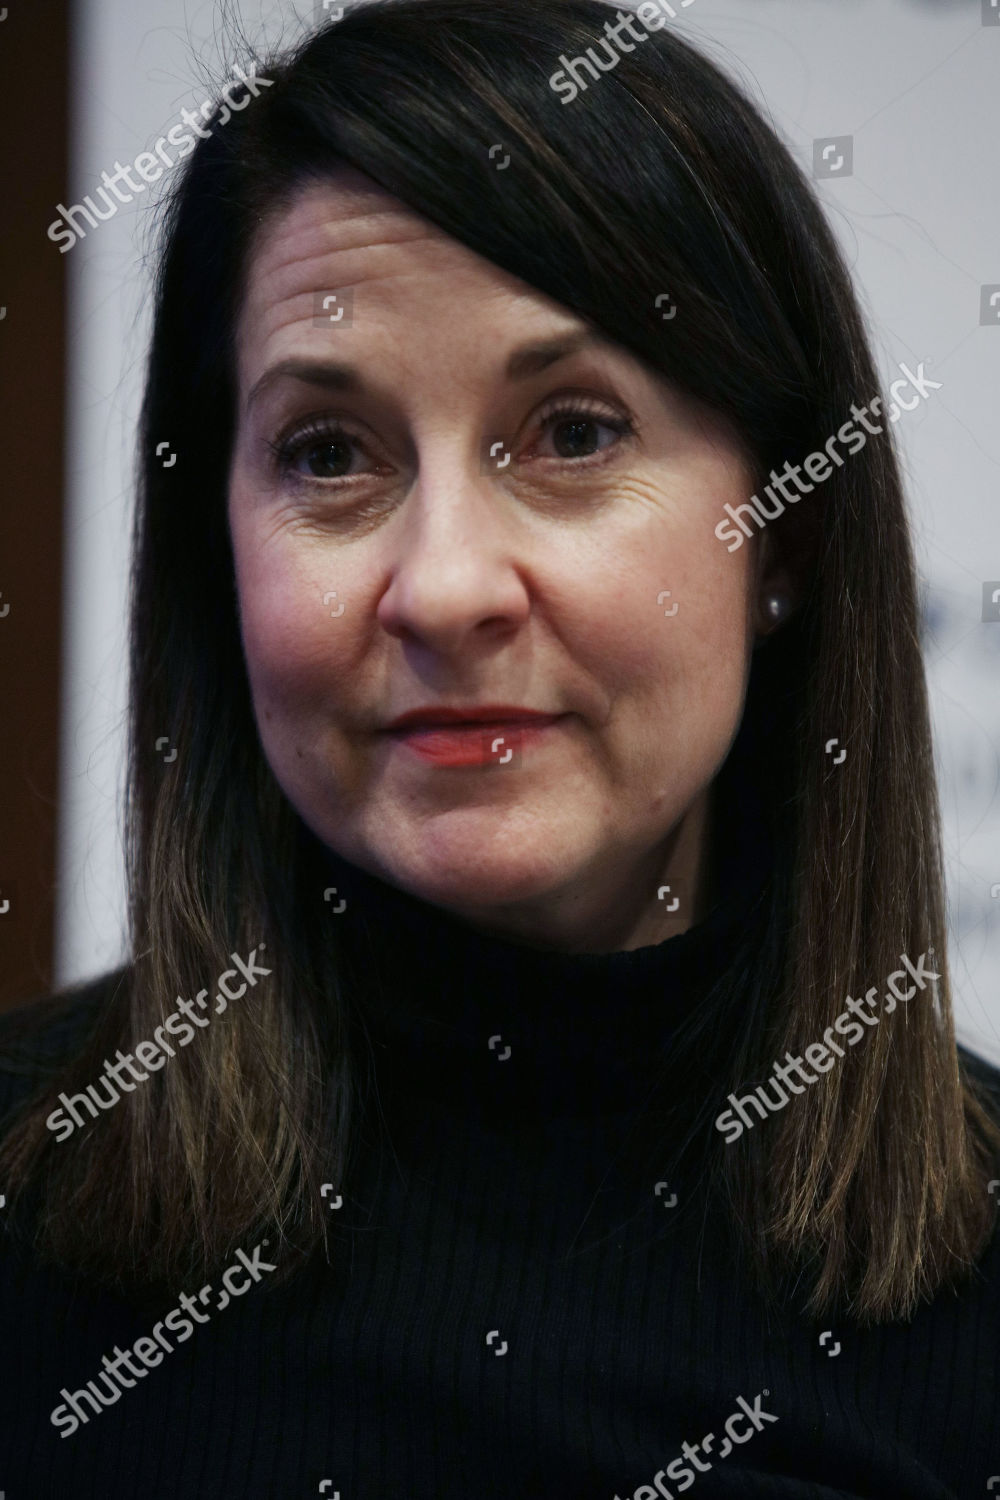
458,561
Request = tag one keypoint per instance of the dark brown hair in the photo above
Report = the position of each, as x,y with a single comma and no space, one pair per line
660,176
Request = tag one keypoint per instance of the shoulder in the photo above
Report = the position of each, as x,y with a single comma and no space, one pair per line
41,1034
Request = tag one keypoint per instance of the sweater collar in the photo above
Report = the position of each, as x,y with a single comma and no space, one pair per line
474,1022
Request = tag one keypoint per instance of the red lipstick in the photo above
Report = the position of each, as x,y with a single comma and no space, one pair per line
480,735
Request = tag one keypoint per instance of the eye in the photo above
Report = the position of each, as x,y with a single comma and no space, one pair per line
573,424
326,446
321,448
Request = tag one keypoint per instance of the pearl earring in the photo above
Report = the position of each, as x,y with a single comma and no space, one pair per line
776,607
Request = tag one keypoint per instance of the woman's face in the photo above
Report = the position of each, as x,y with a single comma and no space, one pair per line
386,562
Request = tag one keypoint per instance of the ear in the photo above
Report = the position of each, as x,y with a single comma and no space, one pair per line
775,580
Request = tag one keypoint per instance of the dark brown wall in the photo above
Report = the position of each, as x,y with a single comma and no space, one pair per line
34,87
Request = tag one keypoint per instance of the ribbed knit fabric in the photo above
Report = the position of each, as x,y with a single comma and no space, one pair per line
527,1310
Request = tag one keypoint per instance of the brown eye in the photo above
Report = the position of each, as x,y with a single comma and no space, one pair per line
575,428
328,460
575,437
319,450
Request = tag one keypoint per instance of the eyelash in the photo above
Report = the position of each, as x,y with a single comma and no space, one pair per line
321,430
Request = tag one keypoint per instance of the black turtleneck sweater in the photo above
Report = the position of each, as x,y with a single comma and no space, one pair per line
531,1309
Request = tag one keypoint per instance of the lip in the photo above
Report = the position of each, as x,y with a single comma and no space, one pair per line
479,713
493,742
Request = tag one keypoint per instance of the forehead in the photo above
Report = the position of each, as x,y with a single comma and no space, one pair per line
347,232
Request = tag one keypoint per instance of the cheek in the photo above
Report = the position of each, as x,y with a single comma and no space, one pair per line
673,610
296,641
689,668
715,616
708,657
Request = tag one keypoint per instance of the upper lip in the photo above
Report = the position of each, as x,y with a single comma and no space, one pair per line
473,714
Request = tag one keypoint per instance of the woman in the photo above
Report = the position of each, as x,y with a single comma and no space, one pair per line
552,780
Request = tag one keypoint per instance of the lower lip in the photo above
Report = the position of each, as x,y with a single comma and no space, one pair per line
476,744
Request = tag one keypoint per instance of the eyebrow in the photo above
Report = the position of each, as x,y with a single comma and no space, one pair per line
530,359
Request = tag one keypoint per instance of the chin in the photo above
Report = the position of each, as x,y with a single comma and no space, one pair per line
478,880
